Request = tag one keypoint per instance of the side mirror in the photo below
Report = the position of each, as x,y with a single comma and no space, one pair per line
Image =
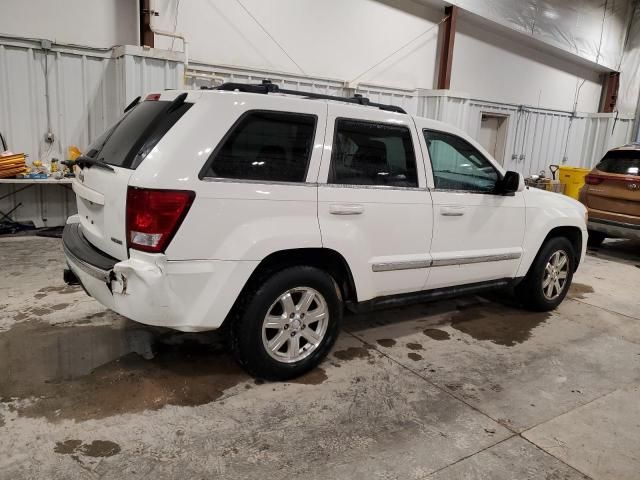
511,183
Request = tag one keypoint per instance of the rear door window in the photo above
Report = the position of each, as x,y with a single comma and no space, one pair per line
130,140
265,146
624,162
369,153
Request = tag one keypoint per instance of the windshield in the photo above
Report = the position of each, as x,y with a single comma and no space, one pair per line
127,143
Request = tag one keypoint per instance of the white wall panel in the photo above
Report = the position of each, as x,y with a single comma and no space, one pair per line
405,98
88,89
536,138
97,23
490,66
369,41
328,38
223,73
140,70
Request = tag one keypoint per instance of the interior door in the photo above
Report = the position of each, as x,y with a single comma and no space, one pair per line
373,204
477,233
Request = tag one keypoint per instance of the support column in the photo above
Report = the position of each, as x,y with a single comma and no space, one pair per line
609,92
446,51
146,35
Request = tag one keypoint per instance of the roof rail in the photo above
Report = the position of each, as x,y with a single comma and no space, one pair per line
267,87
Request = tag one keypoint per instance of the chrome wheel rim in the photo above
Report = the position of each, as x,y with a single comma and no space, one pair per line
295,324
555,275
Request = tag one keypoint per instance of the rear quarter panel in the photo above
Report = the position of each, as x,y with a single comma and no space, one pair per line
231,219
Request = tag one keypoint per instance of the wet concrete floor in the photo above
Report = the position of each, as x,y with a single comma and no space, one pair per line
473,382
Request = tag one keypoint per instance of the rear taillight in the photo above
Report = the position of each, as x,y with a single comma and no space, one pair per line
593,179
153,217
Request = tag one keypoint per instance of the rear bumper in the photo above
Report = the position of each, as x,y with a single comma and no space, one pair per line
188,296
84,256
614,229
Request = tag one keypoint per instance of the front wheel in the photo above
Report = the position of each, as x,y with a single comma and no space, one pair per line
549,277
288,325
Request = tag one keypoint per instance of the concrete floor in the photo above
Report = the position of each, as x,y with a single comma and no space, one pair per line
469,388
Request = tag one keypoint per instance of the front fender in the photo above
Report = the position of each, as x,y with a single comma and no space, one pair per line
546,211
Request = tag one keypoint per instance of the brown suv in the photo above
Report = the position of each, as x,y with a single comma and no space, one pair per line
612,195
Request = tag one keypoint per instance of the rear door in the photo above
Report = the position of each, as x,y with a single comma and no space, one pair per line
612,191
373,205
101,190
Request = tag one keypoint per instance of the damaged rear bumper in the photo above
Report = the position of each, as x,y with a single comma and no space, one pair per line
184,295
85,256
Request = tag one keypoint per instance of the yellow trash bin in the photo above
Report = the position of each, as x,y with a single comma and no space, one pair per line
573,179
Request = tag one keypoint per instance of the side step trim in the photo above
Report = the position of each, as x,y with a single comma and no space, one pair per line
391,301
443,262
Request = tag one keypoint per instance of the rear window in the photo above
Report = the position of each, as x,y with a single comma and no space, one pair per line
625,162
265,146
130,140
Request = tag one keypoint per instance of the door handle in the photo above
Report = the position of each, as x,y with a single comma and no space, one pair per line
452,211
346,209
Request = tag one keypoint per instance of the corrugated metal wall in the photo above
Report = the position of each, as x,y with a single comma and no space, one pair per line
80,97
88,89
536,138
404,98
219,74
140,71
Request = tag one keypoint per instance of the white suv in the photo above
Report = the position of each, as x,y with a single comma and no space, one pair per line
267,211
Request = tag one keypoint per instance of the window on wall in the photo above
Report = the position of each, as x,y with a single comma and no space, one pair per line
270,146
367,153
457,165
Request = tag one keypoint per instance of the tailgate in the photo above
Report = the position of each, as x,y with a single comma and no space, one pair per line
101,197
102,182
613,186
614,197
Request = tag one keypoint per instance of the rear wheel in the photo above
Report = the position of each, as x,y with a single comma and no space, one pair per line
288,325
549,277
595,238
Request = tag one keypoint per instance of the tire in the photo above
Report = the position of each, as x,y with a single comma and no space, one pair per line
595,238
532,292
250,340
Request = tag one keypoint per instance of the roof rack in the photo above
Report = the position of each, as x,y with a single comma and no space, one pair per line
267,87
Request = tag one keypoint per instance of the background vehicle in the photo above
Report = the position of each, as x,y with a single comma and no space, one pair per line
612,195
270,213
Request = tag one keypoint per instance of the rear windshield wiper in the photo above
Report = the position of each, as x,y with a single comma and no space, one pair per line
83,161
